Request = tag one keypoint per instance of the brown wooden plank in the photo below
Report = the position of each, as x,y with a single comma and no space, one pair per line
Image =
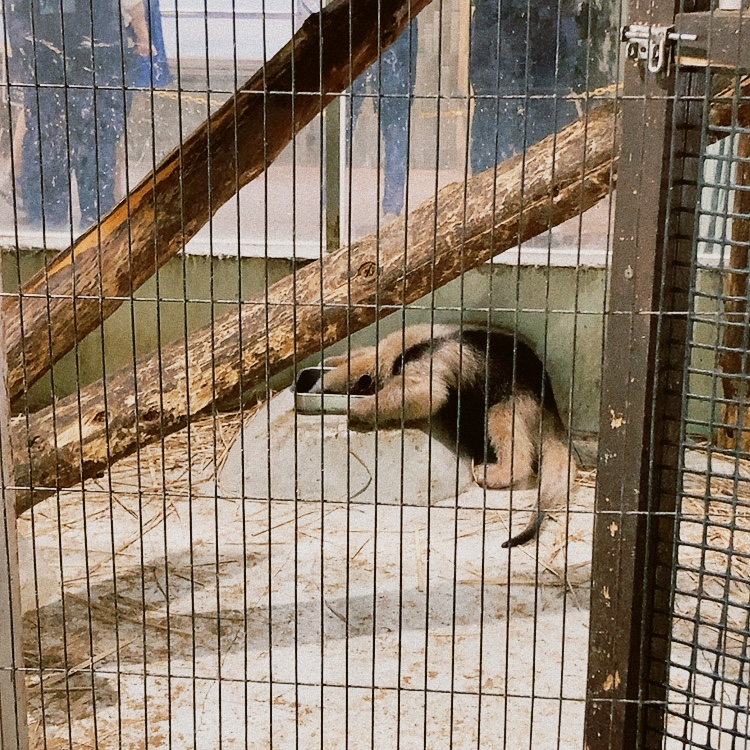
641,408
722,38
321,304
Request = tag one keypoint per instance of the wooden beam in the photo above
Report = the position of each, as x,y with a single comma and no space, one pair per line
721,39
641,409
462,227
85,284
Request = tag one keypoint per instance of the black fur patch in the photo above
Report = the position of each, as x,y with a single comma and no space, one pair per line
507,366
413,353
513,368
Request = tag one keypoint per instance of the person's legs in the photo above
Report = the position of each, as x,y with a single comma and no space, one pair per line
549,111
554,76
397,77
394,119
43,181
523,65
497,128
99,124
498,74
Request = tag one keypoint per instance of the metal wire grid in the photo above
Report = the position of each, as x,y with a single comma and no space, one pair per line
708,679
168,612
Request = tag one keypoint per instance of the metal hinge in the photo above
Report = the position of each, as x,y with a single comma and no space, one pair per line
653,44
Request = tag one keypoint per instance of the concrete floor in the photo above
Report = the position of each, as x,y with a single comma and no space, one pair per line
179,610
321,621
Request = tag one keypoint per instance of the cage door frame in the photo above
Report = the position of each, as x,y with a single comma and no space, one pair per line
642,378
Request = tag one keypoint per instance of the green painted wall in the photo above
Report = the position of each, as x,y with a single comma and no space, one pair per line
157,316
563,307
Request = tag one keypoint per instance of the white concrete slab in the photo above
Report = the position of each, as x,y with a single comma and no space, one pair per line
218,620
282,455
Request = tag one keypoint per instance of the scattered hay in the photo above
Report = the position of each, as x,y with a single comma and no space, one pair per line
713,581
713,578
134,597
89,548
180,462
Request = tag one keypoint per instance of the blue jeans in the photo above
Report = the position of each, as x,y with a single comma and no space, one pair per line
392,77
78,136
523,62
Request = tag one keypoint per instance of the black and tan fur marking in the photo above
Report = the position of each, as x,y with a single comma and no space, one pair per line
489,390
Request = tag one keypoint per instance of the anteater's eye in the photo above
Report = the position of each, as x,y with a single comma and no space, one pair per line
364,384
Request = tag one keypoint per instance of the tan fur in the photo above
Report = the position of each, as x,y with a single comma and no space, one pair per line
421,391
524,434
513,429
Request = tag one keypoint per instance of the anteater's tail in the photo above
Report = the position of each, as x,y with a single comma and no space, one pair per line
557,472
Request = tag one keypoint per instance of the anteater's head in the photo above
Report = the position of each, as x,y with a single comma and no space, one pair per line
354,374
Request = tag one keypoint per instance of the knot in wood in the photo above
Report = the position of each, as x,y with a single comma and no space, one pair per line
367,270
33,440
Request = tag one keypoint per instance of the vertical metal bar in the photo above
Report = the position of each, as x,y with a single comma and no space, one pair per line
666,411
640,417
13,726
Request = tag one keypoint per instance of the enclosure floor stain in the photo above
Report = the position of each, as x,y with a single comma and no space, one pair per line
333,623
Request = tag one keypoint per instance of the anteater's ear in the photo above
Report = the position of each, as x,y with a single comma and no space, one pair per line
335,361
365,385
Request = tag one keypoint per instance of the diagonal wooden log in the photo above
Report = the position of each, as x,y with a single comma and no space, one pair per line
86,283
322,303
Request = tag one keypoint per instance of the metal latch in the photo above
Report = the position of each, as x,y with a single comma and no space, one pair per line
653,44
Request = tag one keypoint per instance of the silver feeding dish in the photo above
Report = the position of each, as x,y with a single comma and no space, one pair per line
310,396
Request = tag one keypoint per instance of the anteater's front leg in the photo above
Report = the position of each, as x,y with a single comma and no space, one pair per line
411,397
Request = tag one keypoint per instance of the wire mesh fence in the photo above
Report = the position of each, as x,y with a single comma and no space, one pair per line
307,313
708,693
